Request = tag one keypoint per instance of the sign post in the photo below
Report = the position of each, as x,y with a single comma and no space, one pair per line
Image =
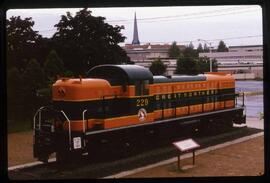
186,146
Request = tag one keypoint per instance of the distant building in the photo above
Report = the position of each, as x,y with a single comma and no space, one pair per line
148,51
145,54
239,59
238,54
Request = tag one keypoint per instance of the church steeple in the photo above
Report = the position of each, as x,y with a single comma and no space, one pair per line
135,32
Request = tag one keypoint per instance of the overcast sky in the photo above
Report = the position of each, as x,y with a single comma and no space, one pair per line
236,25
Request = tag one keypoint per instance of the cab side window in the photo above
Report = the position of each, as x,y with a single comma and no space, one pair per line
142,87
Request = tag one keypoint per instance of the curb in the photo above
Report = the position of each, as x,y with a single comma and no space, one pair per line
27,165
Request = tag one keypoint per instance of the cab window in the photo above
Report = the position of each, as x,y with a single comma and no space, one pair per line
142,87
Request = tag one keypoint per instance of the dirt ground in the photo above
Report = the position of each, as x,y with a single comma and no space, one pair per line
242,159
20,148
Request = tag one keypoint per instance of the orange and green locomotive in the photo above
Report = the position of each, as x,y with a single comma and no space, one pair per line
116,102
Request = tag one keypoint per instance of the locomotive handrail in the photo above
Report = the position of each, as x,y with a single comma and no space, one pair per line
163,121
69,128
34,119
38,112
83,114
84,119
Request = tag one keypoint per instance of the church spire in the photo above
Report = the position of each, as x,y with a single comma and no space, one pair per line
135,32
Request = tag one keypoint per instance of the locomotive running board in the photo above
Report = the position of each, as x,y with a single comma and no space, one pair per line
165,120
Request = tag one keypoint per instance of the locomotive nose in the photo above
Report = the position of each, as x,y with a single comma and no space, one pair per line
61,92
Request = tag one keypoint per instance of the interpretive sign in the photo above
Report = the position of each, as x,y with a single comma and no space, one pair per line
186,145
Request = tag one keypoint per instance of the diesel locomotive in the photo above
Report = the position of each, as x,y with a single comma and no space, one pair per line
115,103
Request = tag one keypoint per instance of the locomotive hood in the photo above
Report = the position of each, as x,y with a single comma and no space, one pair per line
78,89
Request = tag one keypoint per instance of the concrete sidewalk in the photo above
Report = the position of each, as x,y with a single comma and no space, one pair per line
240,159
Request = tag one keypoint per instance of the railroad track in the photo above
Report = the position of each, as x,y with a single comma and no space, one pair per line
105,165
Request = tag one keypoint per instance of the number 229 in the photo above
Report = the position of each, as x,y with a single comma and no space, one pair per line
142,102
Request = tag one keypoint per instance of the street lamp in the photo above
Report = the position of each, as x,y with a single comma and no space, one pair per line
210,51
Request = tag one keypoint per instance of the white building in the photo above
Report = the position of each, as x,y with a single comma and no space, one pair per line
252,54
239,59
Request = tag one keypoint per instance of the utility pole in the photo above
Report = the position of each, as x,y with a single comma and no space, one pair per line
210,51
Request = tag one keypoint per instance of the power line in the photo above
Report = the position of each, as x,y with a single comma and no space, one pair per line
197,17
217,39
180,17
190,14
240,37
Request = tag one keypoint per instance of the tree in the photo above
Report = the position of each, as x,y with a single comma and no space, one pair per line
34,79
84,41
191,46
190,52
204,65
53,65
14,94
21,39
187,65
206,48
157,67
222,47
174,51
214,65
199,48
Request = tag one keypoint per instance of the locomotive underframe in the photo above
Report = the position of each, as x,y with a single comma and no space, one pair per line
52,139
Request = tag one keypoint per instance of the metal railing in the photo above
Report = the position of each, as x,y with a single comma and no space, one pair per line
69,128
39,114
84,128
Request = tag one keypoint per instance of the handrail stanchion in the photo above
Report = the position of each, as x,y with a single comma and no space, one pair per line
69,129
84,120
84,126
39,120
34,119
